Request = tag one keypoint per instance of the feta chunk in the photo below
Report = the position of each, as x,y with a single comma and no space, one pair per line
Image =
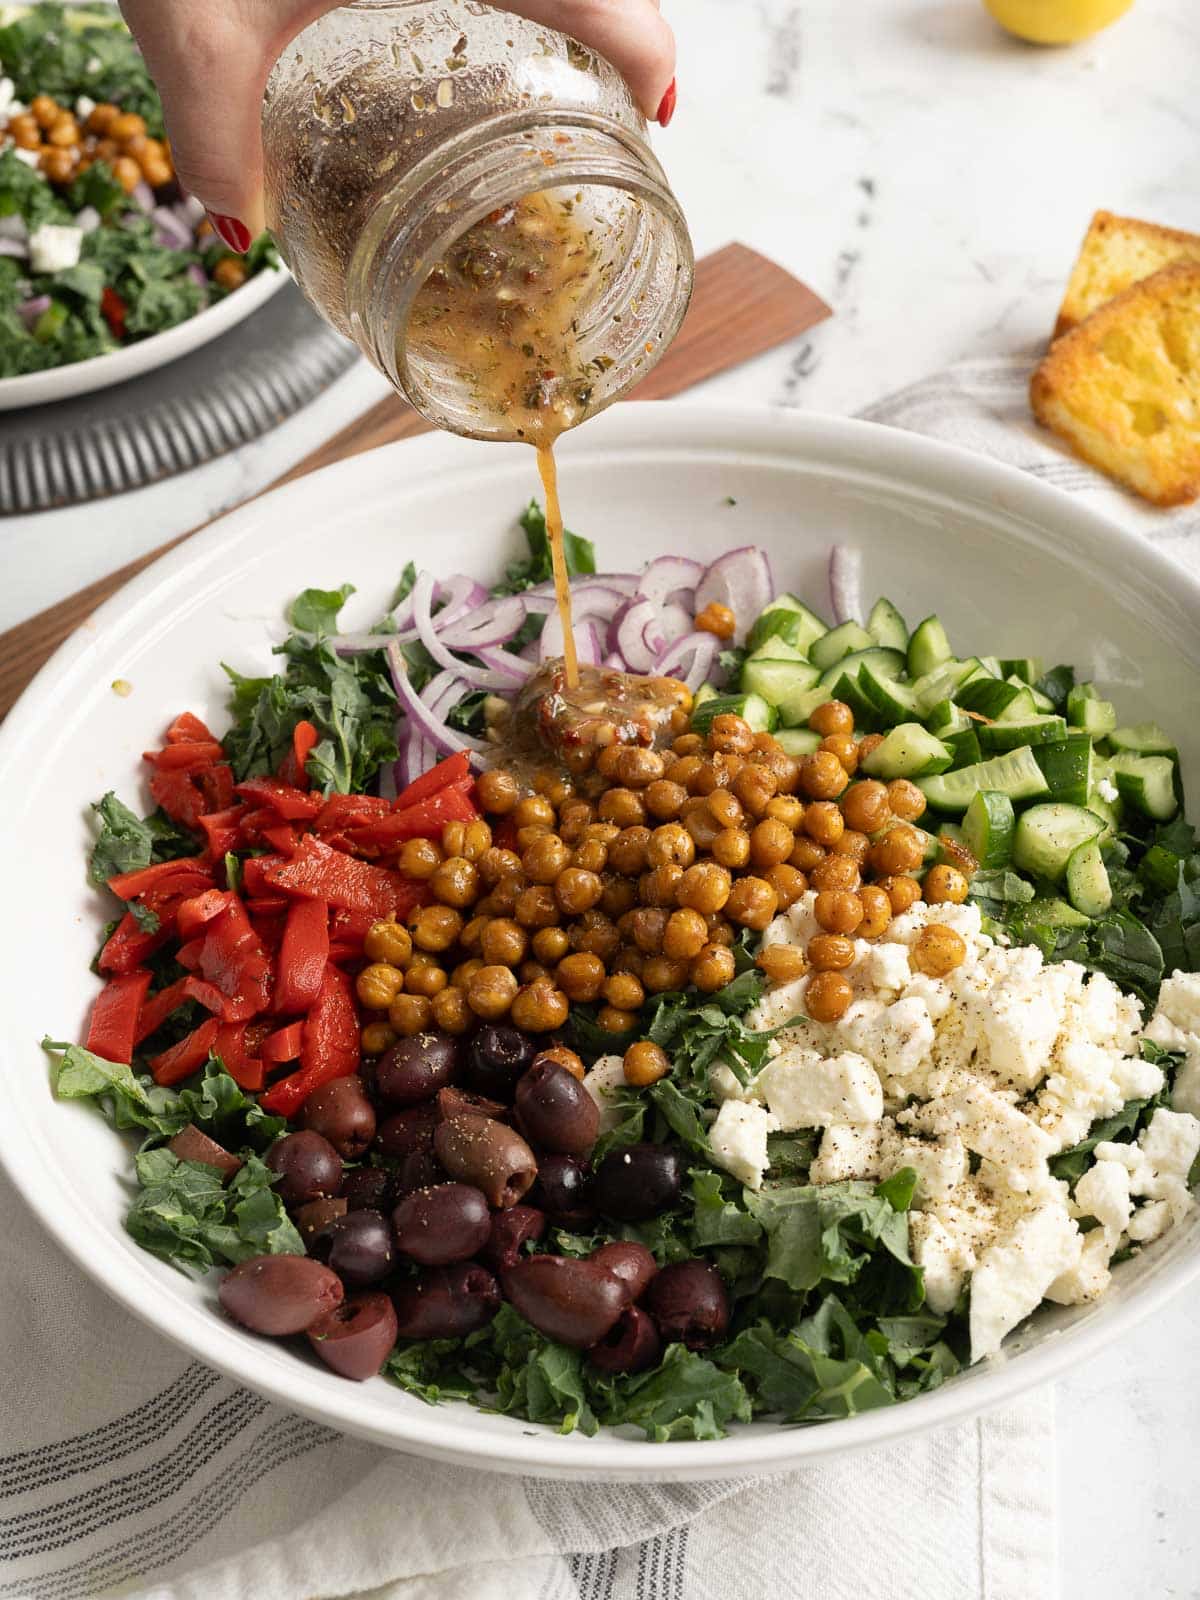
944,1258
990,1126
1185,1092
886,967
1179,1000
54,247
1103,1193
1107,790
847,1152
1150,1222
724,1083
605,1079
940,1167
738,1141
1012,1276
1088,1278
8,93
29,157
804,1091
84,106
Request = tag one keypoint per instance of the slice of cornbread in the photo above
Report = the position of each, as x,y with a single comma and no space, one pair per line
1116,253
1123,388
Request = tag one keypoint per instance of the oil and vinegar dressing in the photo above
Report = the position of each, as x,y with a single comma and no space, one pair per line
503,306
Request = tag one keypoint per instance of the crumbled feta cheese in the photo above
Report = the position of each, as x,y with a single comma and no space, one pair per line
847,1152
738,1141
606,1077
84,106
724,1083
29,157
989,1125
945,1256
940,1166
8,94
1150,1222
1179,1000
1103,1192
1185,1092
1012,1276
1107,790
886,966
1088,1278
804,1091
54,247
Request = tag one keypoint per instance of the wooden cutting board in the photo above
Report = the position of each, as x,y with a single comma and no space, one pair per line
743,305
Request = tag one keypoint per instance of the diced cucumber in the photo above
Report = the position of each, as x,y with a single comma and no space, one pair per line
1041,702
894,701
991,697
1016,774
1023,707
964,747
988,828
777,648
804,702
706,691
1146,739
909,751
751,707
941,683
1159,869
845,689
1086,710
946,718
888,663
844,640
1067,765
991,665
798,742
790,619
886,626
1055,913
1035,729
928,648
1048,835
1147,783
1088,888
783,684
1027,668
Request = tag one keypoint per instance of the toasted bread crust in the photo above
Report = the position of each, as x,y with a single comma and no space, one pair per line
1123,388
1116,253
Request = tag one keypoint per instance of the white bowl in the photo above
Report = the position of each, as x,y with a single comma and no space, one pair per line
101,372
1012,566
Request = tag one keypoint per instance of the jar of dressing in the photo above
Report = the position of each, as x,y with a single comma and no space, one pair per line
473,200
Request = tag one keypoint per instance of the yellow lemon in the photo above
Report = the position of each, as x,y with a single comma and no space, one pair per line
1056,21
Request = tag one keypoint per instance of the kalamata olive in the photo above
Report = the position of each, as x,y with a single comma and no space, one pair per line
309,1168
510,1230
279,1294
446,1302
555,1111
638,1181
413,1070
497,1055
562,1191
420,1170
315,1219
631,1345
573,1301
356,1338
689,1303
488,1154
455,1102
368,1189
361,1249
407,1131
341,1112
449,1222
632,1263
190,1144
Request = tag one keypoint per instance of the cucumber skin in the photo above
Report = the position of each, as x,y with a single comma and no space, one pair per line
1048,835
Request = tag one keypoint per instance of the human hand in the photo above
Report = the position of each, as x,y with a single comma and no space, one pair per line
211,63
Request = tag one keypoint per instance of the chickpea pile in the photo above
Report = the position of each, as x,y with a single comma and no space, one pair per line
66,148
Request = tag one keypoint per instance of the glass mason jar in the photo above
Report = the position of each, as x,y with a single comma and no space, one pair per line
390,127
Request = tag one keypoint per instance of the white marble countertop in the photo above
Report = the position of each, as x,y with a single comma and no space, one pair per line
931,178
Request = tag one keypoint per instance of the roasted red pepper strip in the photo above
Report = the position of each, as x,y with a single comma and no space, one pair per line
284,1044
216,785
193,753
188,955
281,839
233,1045
234,962
453,770
329,1046
220,829
127,946
114,311
255,883
348,810
425,820
304,741
182,1059
179,797
319,872
112,1031
303,957
128,885
158,1007
187,728
292,804
195,914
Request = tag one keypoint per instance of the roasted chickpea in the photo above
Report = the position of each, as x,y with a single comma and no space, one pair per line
614,1020
577,890
783,768
557,789
628,852
497,791
755,786
684,769
59,165
788,882
835,872
838,910
435,928
685,935
844,748
490,991
576,813
455,882
24,132
709,775
550,945
64,134
619,895
787,809
624,991
664,799
823,821
806,854
822,776
828,996
607,759
530,835
718,620
782,963
877,911
502,901
724,807
830,952
126,126
712,969
540,1008
534,808
719,931
597,933
101,117
646,927
853,844
906,800
902,849
637,768
536,907
865,806
471,938
944,885
545,858
451,1011
731,848
770,843
901,892
731,734
625,807
127,173
390,942
659,886
409,1014
562,1057
702,827
937,950
427,978
605,832
45,110
497,863
378,1037
867,744
660,974
670,845
590,855
645,1063
752,903
956,854
704,887
419,859
503,942
580,976
533,971
835,716
378,985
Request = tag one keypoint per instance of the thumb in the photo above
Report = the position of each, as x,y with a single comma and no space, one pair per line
629,33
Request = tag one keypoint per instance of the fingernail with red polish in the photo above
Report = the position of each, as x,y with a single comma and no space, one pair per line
233,233
667,110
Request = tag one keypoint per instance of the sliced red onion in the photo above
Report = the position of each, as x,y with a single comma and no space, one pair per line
691,658
495,623
197,275
16,248
505,663
845,583
589,646
31,310
446,741
14,227
594,601
741,580
387,781
171,230
625,582
637,635
670,578
143,197
477,677
613,663
674,621
88,220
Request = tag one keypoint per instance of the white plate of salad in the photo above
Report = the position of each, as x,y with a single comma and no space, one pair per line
106,269
819,1066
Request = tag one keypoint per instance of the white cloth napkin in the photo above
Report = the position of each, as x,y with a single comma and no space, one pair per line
126,1470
